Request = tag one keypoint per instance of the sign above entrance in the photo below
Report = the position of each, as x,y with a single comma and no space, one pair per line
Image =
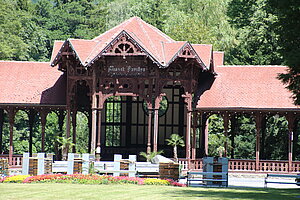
126,70
130,67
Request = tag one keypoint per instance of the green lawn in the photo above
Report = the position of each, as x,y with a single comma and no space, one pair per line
110,192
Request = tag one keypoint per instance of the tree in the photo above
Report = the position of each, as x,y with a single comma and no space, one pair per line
149,156
175,140
65,145
256,41
288,26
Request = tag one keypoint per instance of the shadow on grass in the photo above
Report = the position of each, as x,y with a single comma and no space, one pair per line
238,193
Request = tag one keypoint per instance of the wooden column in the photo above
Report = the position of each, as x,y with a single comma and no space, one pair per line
43,123
74,124
194,125
31,115
149,128
61,117
188,100
263,138
155,130
234,124
188,134
156,122
90,130
11,120
98,149
68,127
258,121
295,139
204,135
226,126
1,129
291,120
94,131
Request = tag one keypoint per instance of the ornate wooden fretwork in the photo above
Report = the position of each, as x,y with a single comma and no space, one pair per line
123,46
187,52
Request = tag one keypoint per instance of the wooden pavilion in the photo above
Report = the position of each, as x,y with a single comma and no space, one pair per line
138,86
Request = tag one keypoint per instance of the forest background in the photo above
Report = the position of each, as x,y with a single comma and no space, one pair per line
250,32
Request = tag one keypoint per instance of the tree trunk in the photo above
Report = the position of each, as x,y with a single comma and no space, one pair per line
175,153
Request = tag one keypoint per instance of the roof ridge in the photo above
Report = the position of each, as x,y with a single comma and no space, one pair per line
202,44
163,52
81,39
91,53
119,25
72,46
155,29
175,42
147,35
25,61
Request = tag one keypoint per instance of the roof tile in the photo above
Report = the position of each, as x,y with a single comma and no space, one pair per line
31,83
247,87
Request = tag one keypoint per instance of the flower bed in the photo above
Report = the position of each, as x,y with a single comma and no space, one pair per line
88,179
15,179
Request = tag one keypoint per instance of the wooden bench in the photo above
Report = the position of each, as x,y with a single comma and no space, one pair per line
267,180
213,179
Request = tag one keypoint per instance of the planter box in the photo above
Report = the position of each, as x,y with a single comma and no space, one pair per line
169,171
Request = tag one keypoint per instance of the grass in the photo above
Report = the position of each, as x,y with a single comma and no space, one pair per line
53,191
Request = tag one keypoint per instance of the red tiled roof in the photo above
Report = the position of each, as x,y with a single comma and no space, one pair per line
171,48
161,48
56,48
82,47
204,51
254,87
218,58
31,83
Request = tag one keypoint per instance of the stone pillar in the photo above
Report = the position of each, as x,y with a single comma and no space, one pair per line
132,165
226,126
11,119
25,164
1,129
291,122
149,128
117,164
41,163
74,124
43,123
85,163
70,163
